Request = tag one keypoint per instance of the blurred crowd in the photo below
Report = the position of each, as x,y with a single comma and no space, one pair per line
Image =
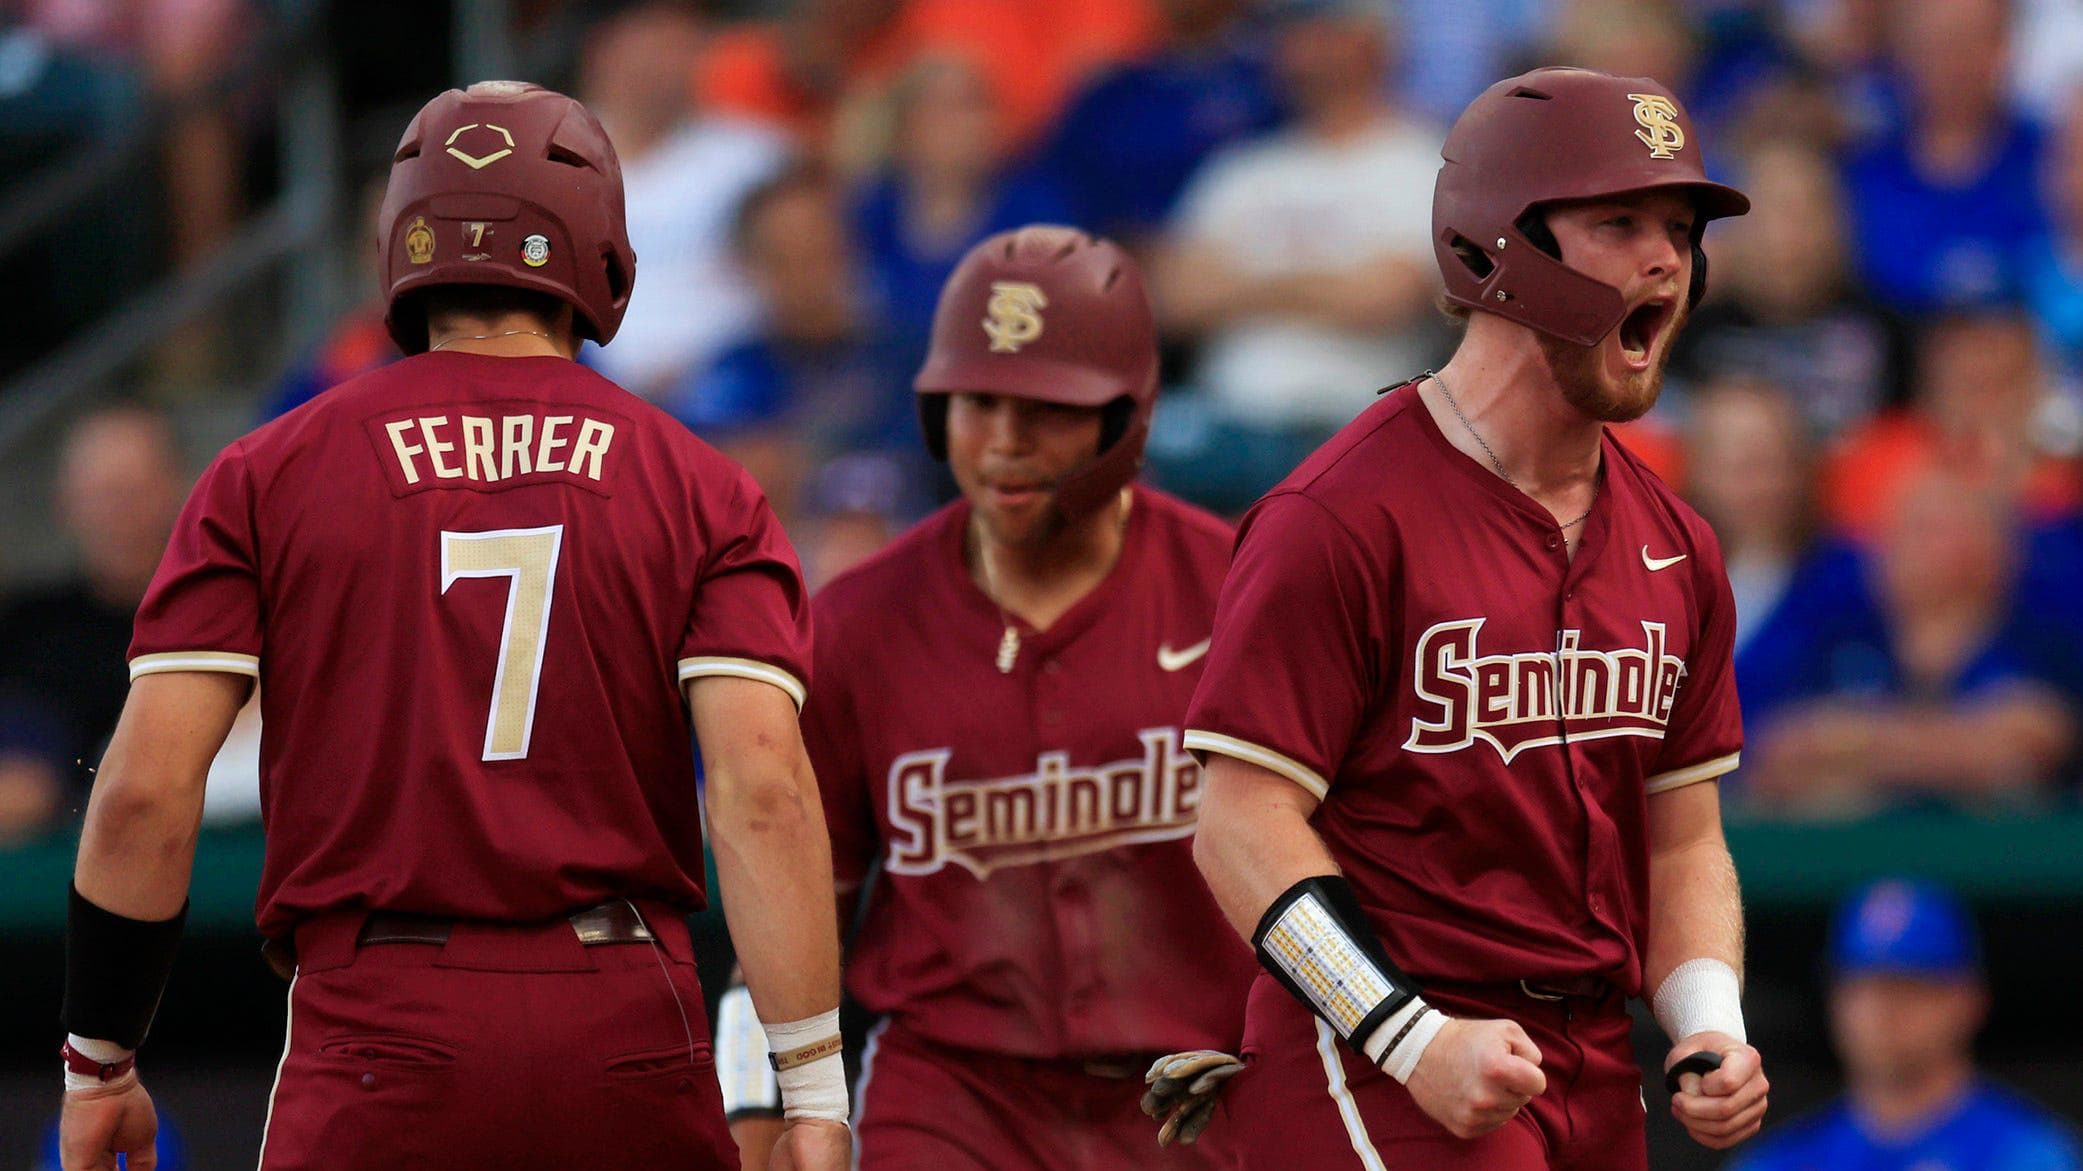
1879,405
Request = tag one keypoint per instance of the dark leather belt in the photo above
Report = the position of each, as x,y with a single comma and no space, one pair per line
1573,988
616,922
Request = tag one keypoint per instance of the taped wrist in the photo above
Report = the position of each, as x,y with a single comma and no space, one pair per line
750,1088
809,1068
1700,996
115,971
1316,941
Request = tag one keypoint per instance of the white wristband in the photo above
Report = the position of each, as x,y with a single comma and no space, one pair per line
106,1052
814,1089
1700,996
742,1069
1410,1035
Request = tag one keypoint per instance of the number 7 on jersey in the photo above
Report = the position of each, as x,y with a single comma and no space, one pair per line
528,559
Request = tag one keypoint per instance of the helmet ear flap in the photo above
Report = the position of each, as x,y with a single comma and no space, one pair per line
933,421
1698,288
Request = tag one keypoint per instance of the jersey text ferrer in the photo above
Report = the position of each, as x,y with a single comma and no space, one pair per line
1038,897
1404,635
475,572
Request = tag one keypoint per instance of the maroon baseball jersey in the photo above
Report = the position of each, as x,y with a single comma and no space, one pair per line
1038,895
1403,635
471,589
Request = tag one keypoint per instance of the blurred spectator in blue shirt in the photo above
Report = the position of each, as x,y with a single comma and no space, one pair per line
63,645
1783,307
855,504
1455,49
821,377
684,172
1125,147
2053,264
1750,470
949,184
1907,996
1917,678
1942,207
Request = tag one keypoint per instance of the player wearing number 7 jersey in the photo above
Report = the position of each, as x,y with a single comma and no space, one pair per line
484,593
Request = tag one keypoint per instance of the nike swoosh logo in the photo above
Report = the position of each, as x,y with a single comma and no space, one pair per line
1656,563
1171,660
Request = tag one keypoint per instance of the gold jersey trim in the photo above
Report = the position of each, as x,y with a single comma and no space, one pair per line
1692,775
745,669
1287,766
226,661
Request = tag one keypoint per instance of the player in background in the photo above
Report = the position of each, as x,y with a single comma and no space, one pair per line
1907,996
1470,689
996,729
485,592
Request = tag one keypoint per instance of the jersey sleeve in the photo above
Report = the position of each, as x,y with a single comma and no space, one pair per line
1704,738
202,611
751,613
1297,646
832,737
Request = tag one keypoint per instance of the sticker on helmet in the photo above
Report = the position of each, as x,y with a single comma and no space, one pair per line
1015,315
419,241
480,162
535,251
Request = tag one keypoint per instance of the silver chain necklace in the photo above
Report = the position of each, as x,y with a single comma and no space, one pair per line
1009,643
1596,483
486,337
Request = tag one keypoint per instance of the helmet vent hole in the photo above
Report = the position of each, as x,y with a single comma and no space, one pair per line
569,157
1529,92
1473,258
1534,226
406,150
1113,274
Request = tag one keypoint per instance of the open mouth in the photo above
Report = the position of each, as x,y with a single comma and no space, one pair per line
1640,329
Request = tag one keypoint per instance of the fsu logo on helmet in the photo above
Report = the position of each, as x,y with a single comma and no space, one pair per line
1660,130
1015,315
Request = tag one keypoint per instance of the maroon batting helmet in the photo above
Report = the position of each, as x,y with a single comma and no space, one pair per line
1545,137
506,183
1052,314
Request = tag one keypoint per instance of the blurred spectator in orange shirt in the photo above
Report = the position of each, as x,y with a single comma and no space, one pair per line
812,69
1983,408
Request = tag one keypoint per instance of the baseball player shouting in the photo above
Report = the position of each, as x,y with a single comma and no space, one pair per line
1470,685
996,724
484,591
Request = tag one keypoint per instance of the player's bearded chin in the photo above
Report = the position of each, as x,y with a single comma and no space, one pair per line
1580,372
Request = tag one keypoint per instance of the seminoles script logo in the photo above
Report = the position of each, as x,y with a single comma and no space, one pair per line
1056,811
1509,701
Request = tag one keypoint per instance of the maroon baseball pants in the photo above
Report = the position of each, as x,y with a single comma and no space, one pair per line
510,1047
922,1105
1308,1101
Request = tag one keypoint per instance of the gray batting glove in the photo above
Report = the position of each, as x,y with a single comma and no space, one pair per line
1183,1090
